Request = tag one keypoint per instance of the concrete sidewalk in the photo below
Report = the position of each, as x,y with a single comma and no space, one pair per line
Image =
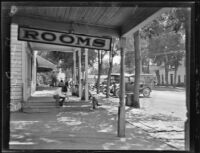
76,126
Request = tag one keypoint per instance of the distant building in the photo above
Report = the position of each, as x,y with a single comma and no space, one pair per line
180,79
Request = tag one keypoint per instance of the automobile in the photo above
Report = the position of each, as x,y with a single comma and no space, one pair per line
147,82
145,87
114,83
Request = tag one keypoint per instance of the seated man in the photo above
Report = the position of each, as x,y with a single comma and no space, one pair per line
95,102
60,98
65,88
94,97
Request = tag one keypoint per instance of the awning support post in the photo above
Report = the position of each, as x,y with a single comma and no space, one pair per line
74,59
121,108
86,74
79,72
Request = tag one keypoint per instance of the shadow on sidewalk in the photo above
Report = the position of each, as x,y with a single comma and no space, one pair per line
75,126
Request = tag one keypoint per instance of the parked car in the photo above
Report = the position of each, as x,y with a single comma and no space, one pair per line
145,87
146,84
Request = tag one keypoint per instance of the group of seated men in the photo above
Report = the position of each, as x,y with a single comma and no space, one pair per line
61,95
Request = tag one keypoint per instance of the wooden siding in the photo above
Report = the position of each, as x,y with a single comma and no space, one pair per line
16,84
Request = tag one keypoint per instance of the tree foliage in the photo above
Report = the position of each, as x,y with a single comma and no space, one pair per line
165,36
67,58
168,44
130,61
174,20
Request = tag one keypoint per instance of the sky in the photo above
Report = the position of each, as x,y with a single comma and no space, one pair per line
116,59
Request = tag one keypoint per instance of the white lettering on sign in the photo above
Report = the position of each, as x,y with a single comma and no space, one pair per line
62,38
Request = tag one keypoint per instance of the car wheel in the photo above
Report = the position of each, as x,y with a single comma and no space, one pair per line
146,92
104,91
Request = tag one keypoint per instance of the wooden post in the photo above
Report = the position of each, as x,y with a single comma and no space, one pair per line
121,108
79,72
188,37
74,59
86,74
109,72
34,72
136,103
74,74
98,78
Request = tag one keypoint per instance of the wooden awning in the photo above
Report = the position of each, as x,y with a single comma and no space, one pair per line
43,65
104,19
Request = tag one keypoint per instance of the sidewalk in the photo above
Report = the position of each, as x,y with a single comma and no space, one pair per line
167,127
75,126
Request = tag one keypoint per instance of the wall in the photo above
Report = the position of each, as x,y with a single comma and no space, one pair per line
22,81
16,81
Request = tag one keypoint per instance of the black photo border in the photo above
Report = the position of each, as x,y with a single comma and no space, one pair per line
193,64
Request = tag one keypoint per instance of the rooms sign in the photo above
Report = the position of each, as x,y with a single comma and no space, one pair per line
62,38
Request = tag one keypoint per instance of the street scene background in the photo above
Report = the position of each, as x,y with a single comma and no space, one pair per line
74,97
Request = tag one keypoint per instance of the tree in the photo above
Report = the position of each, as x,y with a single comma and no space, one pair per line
93,71
133,62
67,57
144,55
65,61
101,54
130,61
164,49
164,36
175,62
105,67
112,53
181,25
109,73
92,57
130,55
135,102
